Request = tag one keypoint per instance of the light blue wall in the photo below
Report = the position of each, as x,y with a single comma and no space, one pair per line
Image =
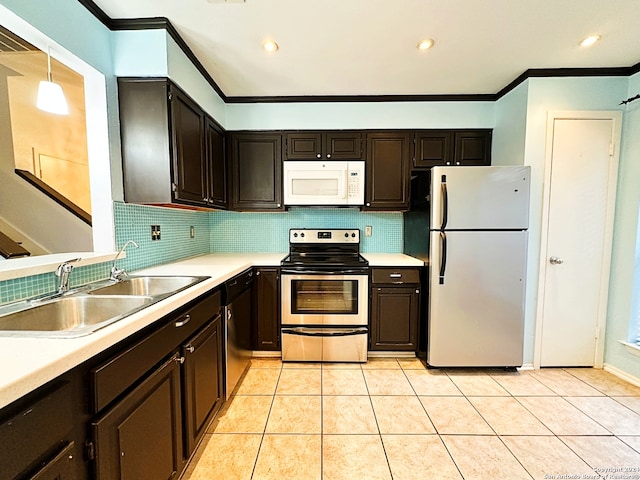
510,128
545,95
626,242
357,115
140,53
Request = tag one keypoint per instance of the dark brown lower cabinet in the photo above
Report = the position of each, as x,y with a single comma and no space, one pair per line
141,436
35,432
395,309
202,381
154,399
62,467
266,316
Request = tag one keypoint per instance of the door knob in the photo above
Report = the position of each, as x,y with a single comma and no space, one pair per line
555,260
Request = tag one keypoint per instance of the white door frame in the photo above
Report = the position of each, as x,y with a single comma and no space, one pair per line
552,116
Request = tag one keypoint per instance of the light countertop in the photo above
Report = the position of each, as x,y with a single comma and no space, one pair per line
28,363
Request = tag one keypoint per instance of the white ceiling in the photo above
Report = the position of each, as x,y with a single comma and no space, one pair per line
368,47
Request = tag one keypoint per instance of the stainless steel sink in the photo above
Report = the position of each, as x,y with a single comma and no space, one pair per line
71,316
147,285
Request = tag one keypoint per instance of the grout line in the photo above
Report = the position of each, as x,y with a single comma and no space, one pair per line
264,429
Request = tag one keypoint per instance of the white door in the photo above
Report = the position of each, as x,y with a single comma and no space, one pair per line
575,269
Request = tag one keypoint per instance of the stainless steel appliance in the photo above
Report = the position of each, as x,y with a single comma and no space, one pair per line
323,183
478,220
237,327
325,283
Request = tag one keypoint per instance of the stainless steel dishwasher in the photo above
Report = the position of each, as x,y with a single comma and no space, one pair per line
237,312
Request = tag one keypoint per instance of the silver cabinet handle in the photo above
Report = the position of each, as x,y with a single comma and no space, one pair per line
190,348
318,156
395,275
183,322
180,360
328,155
556,261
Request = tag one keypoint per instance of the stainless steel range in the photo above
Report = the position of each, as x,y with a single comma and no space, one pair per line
325,284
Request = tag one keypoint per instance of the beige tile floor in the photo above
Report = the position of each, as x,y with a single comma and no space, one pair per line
393,419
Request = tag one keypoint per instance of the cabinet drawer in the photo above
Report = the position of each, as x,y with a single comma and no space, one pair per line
35,431
112,378
396,276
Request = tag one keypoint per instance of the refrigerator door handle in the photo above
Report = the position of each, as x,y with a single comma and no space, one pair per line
445,202
443,256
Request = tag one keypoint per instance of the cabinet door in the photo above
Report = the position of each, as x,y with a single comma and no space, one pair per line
216,165
203,387
187,133
388,156
62,467
343,146
257,171
304,146
394,318
472,147
433,148
141,436
266,315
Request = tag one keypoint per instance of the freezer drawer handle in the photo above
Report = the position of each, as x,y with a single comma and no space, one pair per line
445,202
308,332
443,256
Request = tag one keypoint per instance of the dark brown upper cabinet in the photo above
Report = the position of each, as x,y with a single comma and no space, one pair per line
452,147
387,171
343,145
256,159
216,165
172,151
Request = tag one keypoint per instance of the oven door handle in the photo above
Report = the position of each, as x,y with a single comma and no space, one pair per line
323,332
324,272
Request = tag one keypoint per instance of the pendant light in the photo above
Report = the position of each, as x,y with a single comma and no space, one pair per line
50,96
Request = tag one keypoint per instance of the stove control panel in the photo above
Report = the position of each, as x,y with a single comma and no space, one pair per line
307,235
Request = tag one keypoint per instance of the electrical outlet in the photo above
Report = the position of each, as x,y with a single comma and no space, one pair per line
192,232
155,232
368,231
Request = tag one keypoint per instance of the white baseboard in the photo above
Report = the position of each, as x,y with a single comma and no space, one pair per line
621,374
265,354
527,366
391,354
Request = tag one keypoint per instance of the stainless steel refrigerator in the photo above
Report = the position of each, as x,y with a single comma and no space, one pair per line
478,221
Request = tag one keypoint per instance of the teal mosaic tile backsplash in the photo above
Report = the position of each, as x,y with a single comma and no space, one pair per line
269,232
217,231
133,222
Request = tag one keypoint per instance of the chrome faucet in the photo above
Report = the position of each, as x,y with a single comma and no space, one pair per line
62,272
117,274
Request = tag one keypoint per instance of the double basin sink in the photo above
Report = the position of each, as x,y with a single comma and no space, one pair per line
89,308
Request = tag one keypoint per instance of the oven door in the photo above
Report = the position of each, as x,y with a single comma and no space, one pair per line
324,344
324,299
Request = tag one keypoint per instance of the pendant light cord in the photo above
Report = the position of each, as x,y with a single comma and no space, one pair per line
49,64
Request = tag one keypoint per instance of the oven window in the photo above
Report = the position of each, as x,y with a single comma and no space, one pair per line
324,296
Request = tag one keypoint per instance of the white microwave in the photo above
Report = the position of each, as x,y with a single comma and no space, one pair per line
323,183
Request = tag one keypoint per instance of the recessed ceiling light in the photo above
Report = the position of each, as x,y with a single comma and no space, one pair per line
587,42
270,46
426,44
